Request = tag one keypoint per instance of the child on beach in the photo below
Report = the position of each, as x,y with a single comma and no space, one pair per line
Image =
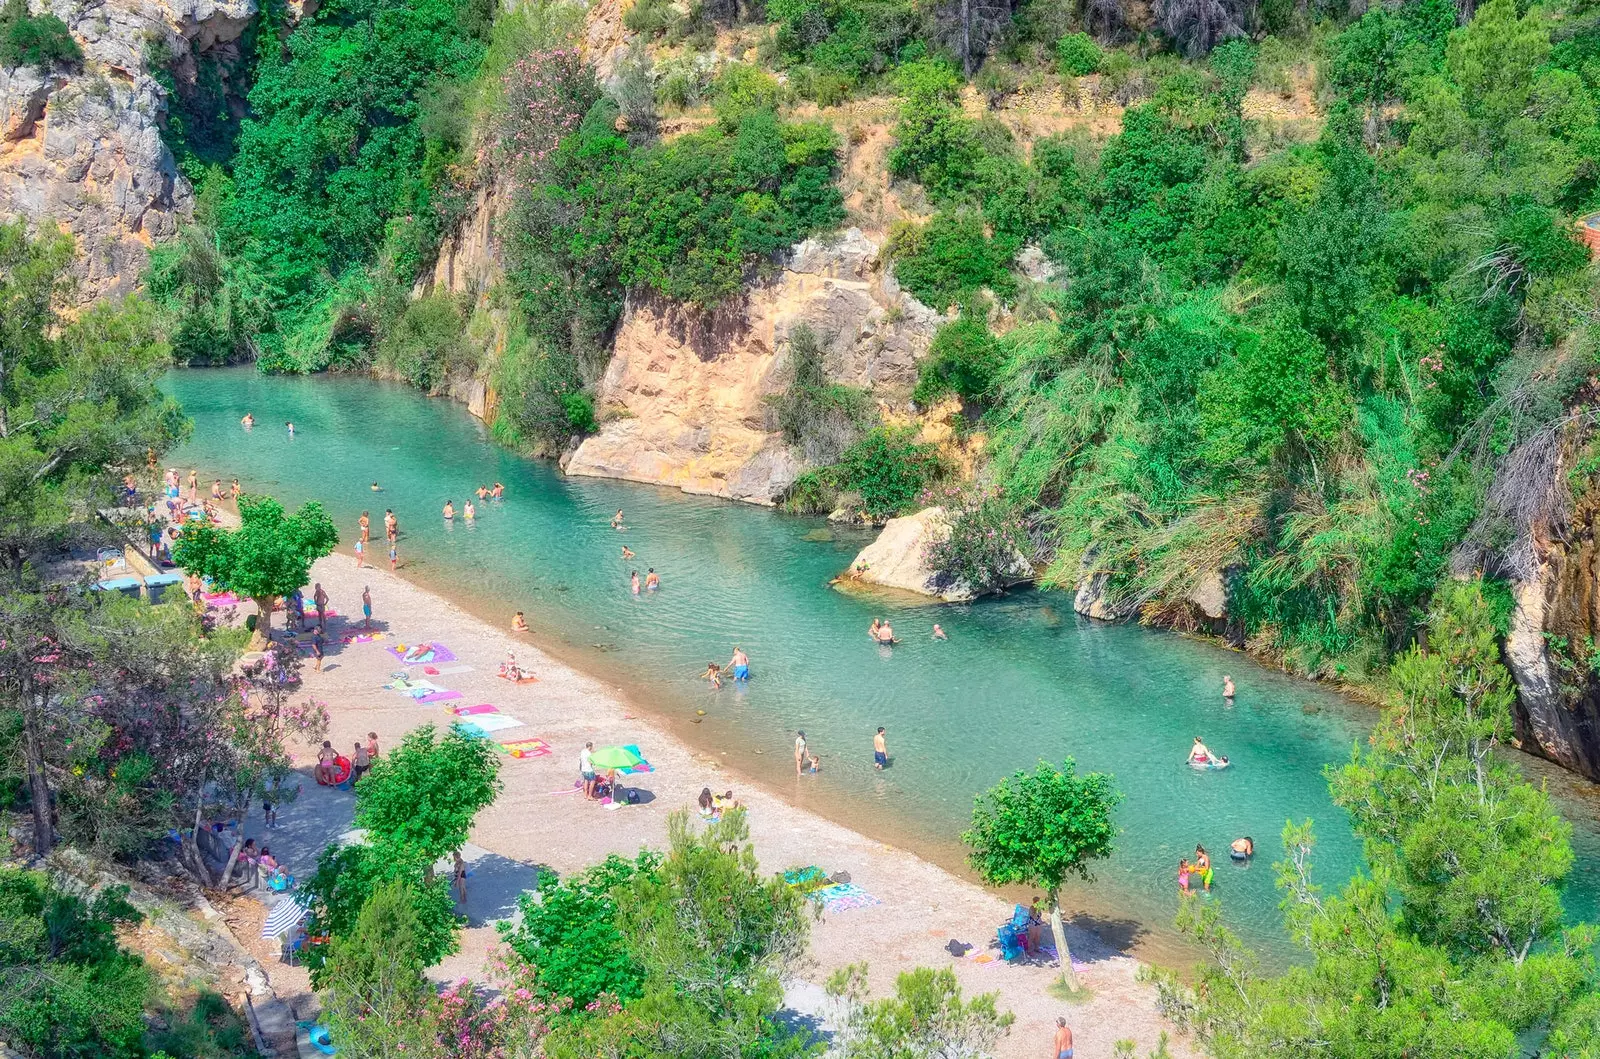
361,553
236,490
394,558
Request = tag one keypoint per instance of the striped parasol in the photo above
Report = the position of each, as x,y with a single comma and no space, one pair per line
283,917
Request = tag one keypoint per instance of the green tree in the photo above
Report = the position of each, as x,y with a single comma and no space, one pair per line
964,359
79,401
419,800
926,1017
343,883
66,990
1037,828
373,988
267,557
568,934
34,40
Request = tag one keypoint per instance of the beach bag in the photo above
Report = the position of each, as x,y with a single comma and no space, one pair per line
840,877
632,796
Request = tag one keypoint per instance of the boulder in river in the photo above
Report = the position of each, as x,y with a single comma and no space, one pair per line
899,558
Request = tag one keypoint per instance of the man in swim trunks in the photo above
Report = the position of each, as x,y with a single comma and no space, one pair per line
1227,689
1063,1048
449,510
320,597
739,664
366,604
886,634
880,751
799,753
1198,754
652,580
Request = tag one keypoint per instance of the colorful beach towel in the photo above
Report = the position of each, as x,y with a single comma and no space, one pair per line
438,696
496,722
842,897
526,748
642,766
423,653
468,711
405,685
221,599
366,637
470,730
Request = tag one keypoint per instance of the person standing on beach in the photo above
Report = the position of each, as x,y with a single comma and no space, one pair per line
320,597
194,485
236,491
366,604
1063,1045
361,553
360,761
317,643
799,753
880,751
586,769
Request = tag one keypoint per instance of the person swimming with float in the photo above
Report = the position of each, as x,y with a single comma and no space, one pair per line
1198,754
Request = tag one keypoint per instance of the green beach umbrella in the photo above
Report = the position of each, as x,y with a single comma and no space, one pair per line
614,757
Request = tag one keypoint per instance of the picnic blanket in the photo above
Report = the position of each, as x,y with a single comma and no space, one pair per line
423,653
526,748
642,766
841,897
467,711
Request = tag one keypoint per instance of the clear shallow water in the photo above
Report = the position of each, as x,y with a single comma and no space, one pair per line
1021,678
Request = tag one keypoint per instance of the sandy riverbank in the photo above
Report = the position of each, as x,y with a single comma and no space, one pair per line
536,822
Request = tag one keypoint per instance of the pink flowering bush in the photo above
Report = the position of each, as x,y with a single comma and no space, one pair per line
472,1022
988,542
547,93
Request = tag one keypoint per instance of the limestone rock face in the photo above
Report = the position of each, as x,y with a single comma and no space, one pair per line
683,402
897,559
1093,600
82,146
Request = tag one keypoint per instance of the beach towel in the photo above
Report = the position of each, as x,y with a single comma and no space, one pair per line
495,722
423,653
471,731
527,748
810,877
406,685
467,711
312,612
526,678
438,696
221,599
366,637
642,766
447,670
842,897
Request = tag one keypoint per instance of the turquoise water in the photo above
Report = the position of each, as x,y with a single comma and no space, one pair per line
1021,678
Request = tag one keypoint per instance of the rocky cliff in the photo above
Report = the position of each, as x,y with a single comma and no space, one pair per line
683,402
81,145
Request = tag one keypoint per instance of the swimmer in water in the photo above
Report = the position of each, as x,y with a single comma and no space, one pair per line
248,421
1198,754
627,552
498,491
1243,848
872,630
519,623
290,428
483,492
469,512
713,673
616,520
449,510
636,582
376,488
886,635
938,633
1227,689
652,580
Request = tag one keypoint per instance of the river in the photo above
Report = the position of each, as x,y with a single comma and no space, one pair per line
1021,678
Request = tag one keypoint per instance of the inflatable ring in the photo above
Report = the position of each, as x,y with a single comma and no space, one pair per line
341,772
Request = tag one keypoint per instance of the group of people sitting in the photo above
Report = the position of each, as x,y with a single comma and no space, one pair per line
713,805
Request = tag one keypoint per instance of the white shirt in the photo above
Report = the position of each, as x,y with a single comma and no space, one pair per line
584,763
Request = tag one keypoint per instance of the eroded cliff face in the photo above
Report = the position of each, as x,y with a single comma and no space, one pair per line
1551,644
82,146
684,400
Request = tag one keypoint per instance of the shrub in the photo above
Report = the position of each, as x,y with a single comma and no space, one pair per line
1078,55
740,89
819,418
950,259
425,346
963,359
889,470
34,40
987,534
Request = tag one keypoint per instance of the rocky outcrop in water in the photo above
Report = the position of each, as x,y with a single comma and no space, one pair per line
81,145
898,558
684,400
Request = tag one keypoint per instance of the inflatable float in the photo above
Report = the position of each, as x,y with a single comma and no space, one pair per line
341,772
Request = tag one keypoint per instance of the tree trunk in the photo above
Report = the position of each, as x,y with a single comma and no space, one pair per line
966,37
263,634
1063,953
197,856
242,809
38,783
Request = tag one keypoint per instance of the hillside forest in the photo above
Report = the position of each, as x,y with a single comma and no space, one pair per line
1328,360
